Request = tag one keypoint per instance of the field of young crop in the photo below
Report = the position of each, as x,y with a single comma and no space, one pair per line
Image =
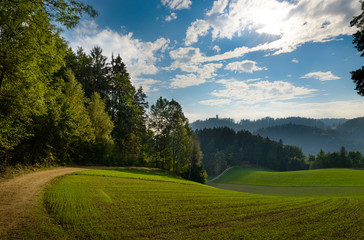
118,204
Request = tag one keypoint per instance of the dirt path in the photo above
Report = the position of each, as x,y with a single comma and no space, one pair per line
17,195
221,174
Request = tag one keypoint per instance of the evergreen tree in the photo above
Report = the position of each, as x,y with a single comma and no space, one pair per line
98,81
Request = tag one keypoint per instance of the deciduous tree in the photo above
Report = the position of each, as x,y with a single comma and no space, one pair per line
358,75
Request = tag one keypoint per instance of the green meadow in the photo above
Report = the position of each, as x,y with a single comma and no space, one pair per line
306,178
149,204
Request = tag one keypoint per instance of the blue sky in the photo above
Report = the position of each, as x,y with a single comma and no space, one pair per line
243,59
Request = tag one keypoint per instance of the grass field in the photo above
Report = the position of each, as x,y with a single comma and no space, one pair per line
142,204
307,178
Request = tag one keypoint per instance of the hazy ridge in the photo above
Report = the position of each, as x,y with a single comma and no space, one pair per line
307,133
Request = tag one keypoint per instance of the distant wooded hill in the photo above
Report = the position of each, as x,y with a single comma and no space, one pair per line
309,134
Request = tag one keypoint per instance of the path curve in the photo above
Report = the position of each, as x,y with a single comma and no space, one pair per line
17,195
221,174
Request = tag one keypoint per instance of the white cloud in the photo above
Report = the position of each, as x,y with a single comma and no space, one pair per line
86,27
202,74
218,7
177,4
322,76
187,80
197,29
173,16
247,66
252,92
294,23
216,48
295,60
189,60
186,59
140,57
215,102
148,85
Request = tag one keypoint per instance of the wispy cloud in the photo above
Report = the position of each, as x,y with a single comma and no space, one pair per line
295,60
215,102
322,76
246,66
332,109
148,84
252,92
200,75
186,80
171,17
177,4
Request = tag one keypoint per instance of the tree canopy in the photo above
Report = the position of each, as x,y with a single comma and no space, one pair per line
60,106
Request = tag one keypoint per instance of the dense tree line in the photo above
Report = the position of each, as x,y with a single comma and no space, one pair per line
60,106
224,147
341,159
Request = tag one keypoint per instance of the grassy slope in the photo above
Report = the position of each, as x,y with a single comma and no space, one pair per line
87,206
144,174
309,178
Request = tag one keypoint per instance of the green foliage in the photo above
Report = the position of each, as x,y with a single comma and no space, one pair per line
175,146
31,51
340,159
76,124
67,12
358,75
102,126
57,106
101,121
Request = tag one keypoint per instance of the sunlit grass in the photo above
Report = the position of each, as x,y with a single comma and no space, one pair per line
308,178
145,174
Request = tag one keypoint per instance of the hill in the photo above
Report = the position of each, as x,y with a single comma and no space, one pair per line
353,128
306,178
311,135
254,125
313,139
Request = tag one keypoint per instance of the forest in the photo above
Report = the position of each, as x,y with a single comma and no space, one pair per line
63,107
